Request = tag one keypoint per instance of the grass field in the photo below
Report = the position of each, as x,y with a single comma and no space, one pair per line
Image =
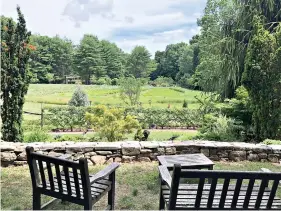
137,186
60,94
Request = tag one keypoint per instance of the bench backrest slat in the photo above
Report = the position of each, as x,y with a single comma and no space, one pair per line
76,181
42,173
199,192
59,181
264,183
224,192
248,193
212,192
272,194
250,190
66,179
236,193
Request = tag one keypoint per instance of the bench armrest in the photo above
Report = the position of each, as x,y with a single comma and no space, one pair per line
165,175
104,173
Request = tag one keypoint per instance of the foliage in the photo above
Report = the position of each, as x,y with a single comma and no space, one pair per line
88,58
239,108
226,29
79,98
184,105
166,117
130,89
15,76
139,63
162,81
271,142
168,61
262,79
101,81
112,57
37,136
219,128
52,60
66,117
110,123
185,67
141,135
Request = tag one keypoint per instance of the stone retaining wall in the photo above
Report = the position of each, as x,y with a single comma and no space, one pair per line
129,151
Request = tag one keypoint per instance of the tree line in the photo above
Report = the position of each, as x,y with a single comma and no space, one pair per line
98,61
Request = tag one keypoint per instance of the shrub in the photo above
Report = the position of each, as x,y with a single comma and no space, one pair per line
239,108
166,117
79,98
219,128
130,89
163,81
184,105
272,142
69,117
110,123
37,136
114,82
141,135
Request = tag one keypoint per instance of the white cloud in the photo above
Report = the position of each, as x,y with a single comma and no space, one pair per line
153,23
158,41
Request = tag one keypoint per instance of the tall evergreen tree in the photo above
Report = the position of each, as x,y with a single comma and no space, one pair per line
15,77
262,78
88,59
112,59
138,63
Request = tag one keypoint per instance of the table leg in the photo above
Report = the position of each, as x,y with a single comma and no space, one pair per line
210,168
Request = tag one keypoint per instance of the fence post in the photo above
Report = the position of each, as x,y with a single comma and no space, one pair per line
42,116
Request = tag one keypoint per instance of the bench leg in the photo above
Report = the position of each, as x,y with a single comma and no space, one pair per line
111,193
36,201
161,201
88,206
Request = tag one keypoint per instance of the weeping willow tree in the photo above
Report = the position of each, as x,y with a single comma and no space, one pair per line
262,79
227,27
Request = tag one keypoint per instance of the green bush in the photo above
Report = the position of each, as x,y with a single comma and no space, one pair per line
79,98
184,105
167,117
162,81
69,117
239,108
219,128
272,142
114,82
111,123
38,136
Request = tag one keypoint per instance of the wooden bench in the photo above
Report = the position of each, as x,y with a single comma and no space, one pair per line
69,181
228,190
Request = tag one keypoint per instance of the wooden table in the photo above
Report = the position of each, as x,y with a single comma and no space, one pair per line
188,161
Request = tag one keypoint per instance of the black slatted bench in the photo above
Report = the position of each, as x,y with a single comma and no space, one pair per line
69,181
227,190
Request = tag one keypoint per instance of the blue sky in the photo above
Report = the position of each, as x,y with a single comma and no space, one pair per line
153,23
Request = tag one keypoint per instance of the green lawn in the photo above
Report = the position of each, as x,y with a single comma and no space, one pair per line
136,187
60,94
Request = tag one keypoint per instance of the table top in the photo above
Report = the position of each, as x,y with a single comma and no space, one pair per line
186,161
